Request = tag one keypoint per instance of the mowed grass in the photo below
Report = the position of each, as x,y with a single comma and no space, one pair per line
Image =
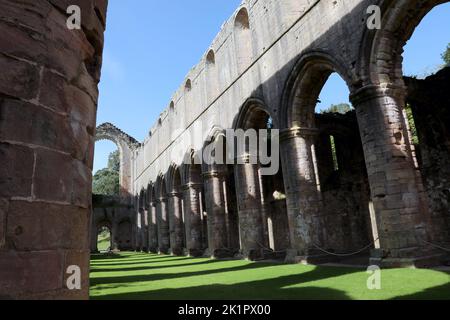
104,242
155,277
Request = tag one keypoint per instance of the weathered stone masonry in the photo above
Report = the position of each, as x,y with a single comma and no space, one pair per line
48,101
270,60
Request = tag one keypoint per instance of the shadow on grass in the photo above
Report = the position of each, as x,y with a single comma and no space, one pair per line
125,267
143,261
106,257
259,289
435,293
167,276
273,288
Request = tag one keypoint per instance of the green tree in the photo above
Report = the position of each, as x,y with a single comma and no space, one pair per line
114,161
341,108
446,55
106,181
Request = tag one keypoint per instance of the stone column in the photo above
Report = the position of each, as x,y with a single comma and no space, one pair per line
114,236
48,102
163,226
93,237
138,231
401,216
215,208
176,224
193,223
303,198
144,219
250,210
152,229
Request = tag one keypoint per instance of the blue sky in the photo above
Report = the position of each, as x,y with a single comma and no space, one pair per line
151,45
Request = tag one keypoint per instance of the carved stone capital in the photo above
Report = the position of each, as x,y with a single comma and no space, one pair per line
372,92
287,134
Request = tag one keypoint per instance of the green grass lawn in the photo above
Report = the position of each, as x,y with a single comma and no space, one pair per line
145,276
104,241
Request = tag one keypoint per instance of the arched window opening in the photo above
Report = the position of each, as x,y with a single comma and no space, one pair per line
104,239
334,165
426,74
106,177
212,76
188,85
334,153
243,40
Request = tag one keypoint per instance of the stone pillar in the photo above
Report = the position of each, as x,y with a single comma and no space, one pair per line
163,226
215,208
152,229
144,223
401,216
193,219
138,231
93,237
48,101
250,210
176,224
303,198
114,236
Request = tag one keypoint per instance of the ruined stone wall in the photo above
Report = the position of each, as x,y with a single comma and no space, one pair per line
280,54
118,217
344,185
48,102
280,32
430,101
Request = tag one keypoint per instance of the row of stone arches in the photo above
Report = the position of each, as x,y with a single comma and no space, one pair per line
377,176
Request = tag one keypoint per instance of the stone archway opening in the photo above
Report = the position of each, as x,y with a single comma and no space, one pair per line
426,116
176,212
104,238
324,160
269,200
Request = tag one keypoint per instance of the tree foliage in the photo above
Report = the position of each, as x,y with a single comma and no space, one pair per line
106,181
114,161
446,55
341,108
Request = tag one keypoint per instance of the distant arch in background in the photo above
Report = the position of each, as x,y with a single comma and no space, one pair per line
126,144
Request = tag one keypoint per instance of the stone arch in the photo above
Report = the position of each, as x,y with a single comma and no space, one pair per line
254,193
126,144
190,170
162,215
104,223
196,224
188,85
252,115
381,50
176,214
382,84
124,234
243,40
303,87
212,75
304,153
152,218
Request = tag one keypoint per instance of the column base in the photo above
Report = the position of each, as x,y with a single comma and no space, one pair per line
163,251
222,254
153,250
176,252
254,255
293,257
194,253
378,258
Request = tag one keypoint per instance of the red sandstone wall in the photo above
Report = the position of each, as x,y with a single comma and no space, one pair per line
48,101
